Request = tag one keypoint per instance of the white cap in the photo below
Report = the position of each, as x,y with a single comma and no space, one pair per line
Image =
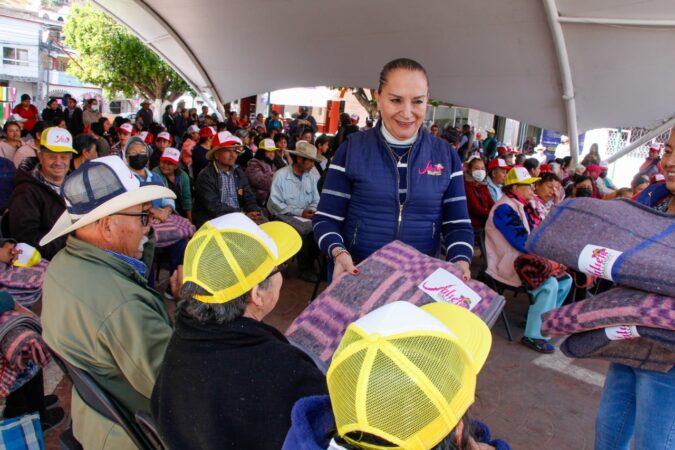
164,135
171,154
193,129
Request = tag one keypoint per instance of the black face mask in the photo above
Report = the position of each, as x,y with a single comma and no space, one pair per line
584,192
138,162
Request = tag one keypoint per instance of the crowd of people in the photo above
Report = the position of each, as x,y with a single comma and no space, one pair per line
227,204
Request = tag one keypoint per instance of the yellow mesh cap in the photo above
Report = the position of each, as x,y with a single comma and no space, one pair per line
402,375
230,255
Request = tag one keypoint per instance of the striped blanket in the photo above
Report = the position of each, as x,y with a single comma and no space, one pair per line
653,350
22,350
390,274
619,240
172,230
618,306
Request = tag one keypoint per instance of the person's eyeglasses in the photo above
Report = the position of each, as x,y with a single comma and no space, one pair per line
145,216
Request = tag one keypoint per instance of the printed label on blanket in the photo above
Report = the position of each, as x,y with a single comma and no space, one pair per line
598,261
621,332
443,286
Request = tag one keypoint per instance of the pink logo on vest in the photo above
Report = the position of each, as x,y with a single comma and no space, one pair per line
432,169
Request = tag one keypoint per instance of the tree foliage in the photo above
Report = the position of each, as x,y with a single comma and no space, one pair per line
111,57
365,97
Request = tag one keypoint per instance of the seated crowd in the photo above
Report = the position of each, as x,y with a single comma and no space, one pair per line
226,205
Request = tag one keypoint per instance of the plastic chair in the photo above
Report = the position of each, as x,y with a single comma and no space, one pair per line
147,425
99,400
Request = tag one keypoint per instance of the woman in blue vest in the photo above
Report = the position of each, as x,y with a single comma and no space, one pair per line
395,182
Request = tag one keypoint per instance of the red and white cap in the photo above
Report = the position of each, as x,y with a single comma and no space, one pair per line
164,135
655,146
225,139
171,155
206,132
503,150
126,128
657,178
193,129
498,163
147,137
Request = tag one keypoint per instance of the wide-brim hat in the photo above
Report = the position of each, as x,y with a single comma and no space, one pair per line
306,150
82,205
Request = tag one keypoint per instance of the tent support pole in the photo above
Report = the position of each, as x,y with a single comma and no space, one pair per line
644,23
669,123
566,76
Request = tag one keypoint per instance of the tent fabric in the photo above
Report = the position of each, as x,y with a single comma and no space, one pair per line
494,56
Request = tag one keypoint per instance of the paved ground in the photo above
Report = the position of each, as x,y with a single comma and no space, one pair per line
533,401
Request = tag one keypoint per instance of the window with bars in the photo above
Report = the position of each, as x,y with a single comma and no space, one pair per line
15,56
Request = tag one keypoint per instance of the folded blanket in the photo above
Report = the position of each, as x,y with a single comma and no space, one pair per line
172,230
619,240
641,353
23,278
618,306
22,350
391,274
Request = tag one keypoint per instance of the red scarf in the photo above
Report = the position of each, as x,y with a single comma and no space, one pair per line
532,213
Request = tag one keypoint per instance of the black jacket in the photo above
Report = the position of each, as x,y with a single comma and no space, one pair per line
230,386
51,115
33,210
74,121
207,204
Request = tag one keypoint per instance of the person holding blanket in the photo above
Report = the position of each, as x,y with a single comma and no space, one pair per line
506,231
395,182
639,404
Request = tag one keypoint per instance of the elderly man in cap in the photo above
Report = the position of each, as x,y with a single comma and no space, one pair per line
229,381
36,203
294,198
99,314
221,187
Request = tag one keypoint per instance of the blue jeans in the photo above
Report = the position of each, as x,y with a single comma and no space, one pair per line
636,403
548,296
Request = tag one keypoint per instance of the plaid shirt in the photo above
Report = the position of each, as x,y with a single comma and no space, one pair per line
228,193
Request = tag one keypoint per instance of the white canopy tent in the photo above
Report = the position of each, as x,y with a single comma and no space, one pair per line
565,65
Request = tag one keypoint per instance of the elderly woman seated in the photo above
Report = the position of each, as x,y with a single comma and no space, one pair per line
507,229
228,380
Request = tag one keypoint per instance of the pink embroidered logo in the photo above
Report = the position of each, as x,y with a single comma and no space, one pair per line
449,294
598,265
432,169
62,140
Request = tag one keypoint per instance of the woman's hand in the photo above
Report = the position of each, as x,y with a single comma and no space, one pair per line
343,263
465,268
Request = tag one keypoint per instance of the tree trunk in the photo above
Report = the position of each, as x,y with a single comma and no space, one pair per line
370,104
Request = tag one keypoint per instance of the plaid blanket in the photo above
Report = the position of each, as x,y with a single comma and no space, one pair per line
630,243
618,306
172,230
22,350
391,274
646,352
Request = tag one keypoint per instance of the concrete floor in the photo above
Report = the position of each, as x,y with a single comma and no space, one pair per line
532,401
